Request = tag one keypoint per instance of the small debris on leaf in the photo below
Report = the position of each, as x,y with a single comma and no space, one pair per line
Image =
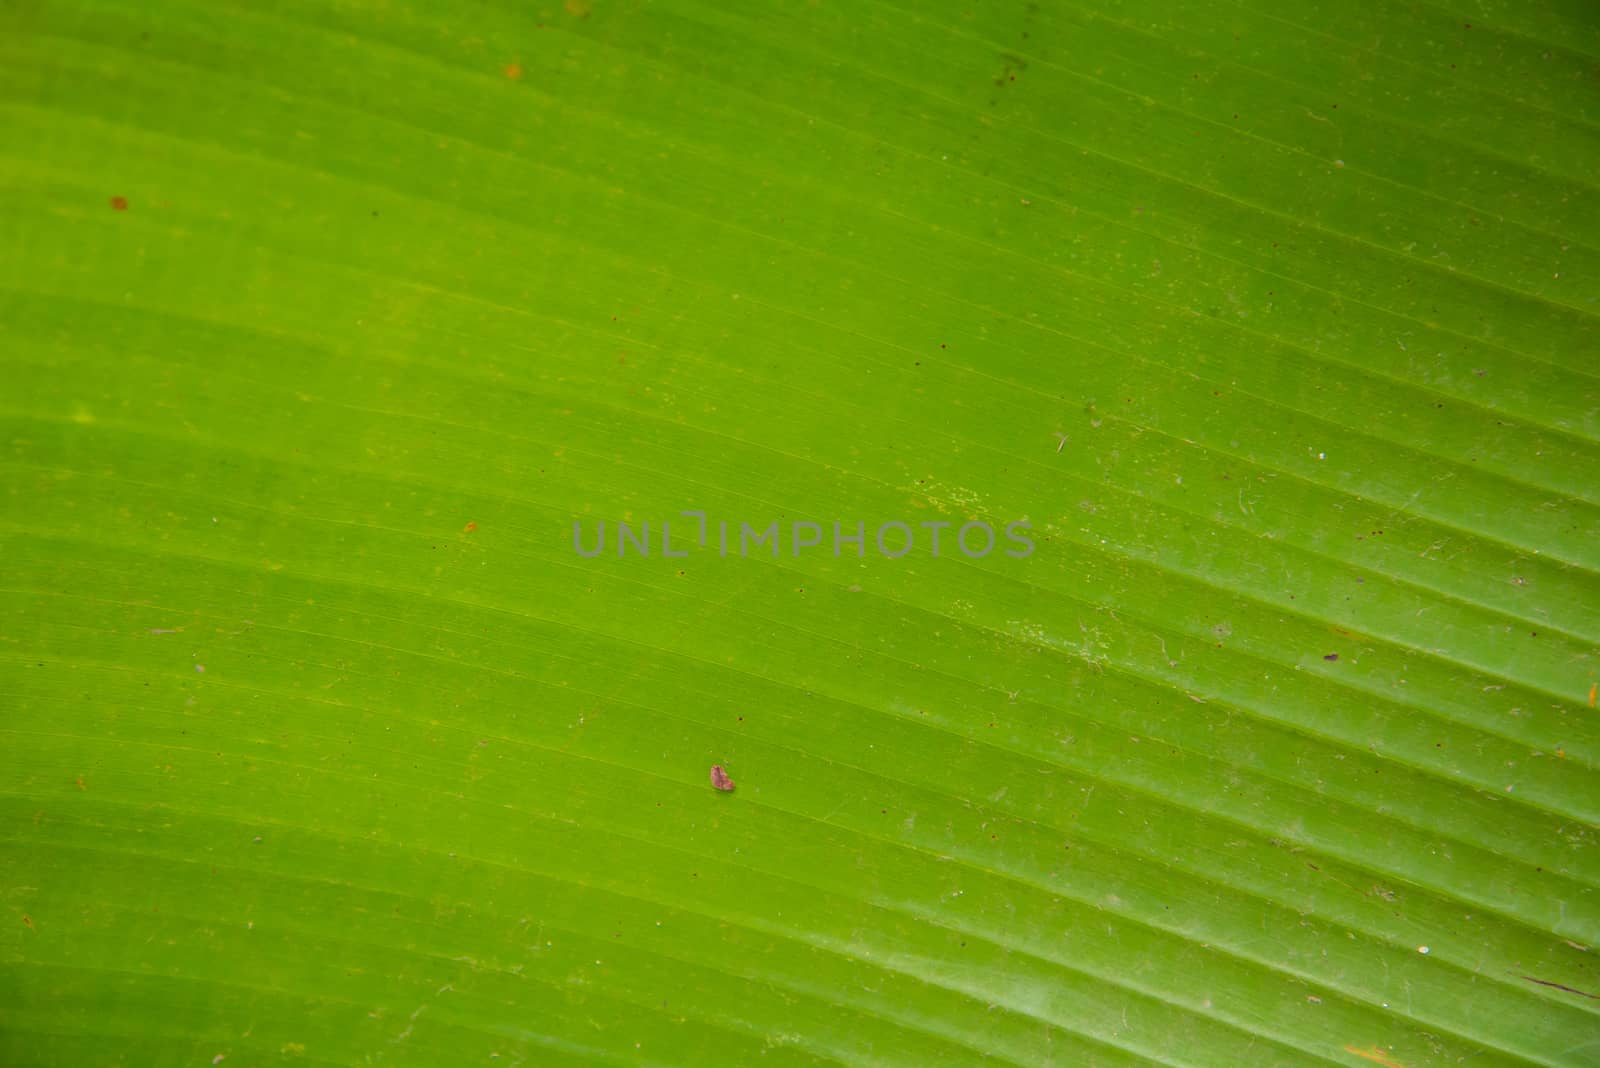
719,778
1331,656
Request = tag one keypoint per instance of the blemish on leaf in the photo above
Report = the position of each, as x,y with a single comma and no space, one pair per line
119,203
1559,986
514,71
1376,1056
1331,656
719,778
470,527
1594,693
28,921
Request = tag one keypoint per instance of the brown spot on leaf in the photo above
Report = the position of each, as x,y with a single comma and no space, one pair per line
719,778
514,71
119,203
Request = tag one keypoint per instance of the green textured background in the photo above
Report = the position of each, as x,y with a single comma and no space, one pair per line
1278,322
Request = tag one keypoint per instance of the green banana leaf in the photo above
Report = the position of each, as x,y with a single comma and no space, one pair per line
1112,487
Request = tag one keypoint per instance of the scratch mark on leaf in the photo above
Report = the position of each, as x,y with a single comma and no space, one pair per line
1560,986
